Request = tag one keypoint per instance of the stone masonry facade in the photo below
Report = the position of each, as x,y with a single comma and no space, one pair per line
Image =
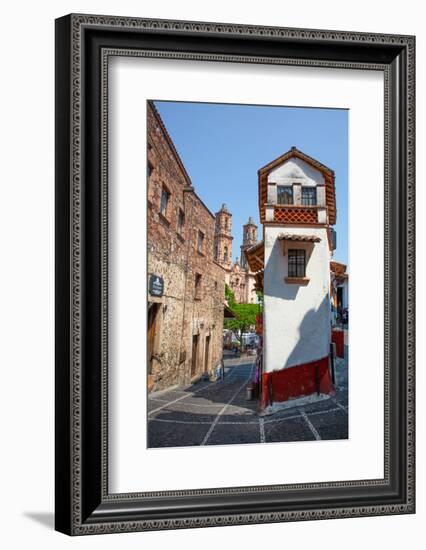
239,277
185,323
242,283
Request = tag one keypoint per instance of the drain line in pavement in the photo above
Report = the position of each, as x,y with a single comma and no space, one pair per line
311,426
220,413
340,405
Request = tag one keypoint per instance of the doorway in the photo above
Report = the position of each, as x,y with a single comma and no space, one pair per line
339,297
207,354
194,359
153,309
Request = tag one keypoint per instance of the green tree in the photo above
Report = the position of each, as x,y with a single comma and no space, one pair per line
229,296
245,318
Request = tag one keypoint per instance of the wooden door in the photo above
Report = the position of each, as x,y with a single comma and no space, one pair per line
207,354
152,329
194,359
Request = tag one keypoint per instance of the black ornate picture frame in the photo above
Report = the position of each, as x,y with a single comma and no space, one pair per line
84,44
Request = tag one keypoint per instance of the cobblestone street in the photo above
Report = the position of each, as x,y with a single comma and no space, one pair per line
217,413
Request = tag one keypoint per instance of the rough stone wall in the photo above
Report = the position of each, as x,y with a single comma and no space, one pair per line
173,254
204,315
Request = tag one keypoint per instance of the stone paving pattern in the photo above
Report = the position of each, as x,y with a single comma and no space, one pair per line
218,413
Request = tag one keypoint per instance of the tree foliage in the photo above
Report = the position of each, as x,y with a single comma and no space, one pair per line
229,296
245,315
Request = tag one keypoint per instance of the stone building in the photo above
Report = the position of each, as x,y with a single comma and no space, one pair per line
186,284
239,277
241,280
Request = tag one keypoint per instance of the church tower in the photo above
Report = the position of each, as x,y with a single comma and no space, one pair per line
223,237
249,239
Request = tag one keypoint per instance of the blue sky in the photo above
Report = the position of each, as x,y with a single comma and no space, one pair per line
223,146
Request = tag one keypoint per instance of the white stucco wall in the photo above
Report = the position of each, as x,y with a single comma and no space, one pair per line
296,170
296,317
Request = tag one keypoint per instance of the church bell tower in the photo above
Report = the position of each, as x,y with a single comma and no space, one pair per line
249,239
223,237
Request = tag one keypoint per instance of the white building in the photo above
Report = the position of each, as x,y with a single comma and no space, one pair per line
297,209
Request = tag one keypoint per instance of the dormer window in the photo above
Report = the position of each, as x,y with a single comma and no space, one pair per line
284,194
309,196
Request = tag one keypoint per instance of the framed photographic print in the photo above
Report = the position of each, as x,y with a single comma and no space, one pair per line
234,274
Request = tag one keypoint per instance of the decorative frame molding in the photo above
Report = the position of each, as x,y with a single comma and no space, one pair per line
84,43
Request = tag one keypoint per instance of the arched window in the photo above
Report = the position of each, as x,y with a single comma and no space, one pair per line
225,254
